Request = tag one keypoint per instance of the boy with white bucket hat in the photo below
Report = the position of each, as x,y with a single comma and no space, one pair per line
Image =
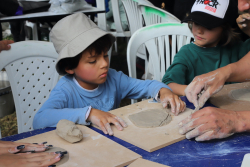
89,89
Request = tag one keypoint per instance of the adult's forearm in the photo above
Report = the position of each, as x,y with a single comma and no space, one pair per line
239,71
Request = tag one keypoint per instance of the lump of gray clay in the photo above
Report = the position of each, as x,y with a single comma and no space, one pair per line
68,131
151,118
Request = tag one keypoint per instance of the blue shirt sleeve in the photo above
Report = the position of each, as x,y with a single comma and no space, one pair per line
56,109
135,88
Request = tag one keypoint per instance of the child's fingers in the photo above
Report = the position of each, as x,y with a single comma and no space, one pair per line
121,121
173,105
240,19
178,105
183,106
108,128
115,122
103,128
246,16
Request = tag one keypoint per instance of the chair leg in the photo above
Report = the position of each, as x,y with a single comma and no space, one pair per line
133,101
110,53
116,50
0,133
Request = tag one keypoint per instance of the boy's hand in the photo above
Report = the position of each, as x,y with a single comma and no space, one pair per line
103,120
243,22
168,97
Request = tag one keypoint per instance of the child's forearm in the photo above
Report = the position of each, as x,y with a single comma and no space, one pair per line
178,88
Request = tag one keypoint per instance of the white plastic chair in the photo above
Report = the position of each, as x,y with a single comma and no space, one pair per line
30,66
33,26
135,21
154,15
102,22
156,40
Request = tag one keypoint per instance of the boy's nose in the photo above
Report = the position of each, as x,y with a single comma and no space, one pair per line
105,62
200,29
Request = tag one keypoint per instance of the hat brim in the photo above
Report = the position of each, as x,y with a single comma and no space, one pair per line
206,20
80,43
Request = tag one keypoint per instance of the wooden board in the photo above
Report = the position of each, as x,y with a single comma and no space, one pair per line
145,163
246,161
94,150
223,100
149,139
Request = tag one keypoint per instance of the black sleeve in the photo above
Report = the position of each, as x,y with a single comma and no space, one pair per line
8,7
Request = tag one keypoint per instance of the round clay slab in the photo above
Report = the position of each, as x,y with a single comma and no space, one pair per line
65,157
240,94
150,118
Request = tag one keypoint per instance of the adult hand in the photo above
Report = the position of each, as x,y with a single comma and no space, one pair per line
44,159
103,120
205,86
210,123
4,45
14,147
243,22
168,97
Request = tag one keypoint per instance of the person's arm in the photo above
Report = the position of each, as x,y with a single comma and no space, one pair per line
30,160
178,88
213,81
135,89
179,74
14,147
239,71
214,123
56,108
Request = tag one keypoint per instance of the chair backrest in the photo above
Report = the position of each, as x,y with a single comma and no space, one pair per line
30,66
154,15
134,14
102,22
156,39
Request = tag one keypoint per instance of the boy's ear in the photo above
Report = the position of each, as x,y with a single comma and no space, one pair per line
69,71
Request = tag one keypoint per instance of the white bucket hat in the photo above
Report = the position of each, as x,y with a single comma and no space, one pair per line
73,34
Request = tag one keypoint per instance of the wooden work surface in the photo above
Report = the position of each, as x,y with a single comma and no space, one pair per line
223,100
145,163
149,139
94,150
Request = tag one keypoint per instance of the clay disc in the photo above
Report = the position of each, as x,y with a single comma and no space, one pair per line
65,157
240,94
150,118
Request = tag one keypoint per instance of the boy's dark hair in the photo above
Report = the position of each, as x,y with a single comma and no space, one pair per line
229,36
101,45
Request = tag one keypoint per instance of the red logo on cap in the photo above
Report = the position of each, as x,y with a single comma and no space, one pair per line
211,3
206,2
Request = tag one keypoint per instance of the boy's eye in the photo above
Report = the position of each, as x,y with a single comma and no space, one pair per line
92,62
106,55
